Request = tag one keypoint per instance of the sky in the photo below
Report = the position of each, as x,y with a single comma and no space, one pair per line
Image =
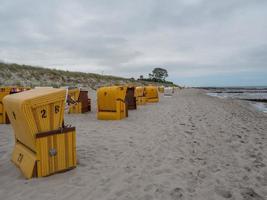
199,42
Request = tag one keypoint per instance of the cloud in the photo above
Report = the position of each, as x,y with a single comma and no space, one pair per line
191,38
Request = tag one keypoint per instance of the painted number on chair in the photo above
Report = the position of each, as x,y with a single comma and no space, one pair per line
57,109
43,112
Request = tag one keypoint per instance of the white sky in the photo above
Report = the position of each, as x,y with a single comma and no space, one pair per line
195,40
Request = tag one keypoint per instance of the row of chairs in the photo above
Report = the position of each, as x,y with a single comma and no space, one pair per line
44,145
114,102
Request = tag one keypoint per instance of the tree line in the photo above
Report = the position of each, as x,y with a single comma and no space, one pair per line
158,75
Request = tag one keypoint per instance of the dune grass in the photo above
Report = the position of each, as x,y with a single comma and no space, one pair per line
25,75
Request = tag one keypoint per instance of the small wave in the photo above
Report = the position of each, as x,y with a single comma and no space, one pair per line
261,106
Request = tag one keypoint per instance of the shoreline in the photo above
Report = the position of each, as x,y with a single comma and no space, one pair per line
260,104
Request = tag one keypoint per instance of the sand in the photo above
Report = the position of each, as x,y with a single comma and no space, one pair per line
189,146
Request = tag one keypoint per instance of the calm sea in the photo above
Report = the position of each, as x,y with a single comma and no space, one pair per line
257,96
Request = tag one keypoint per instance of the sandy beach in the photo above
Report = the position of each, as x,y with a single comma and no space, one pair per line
188,146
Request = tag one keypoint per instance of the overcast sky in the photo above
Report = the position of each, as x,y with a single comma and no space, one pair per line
200,42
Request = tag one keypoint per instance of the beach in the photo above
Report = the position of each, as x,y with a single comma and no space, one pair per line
188,146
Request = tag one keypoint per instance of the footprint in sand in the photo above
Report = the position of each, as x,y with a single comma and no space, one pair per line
120,192
131,178
223,192
159,192
129,169
258,160
191,185
177,193
161,171
250,194
263,179
78,181
147,197
81,164
189,132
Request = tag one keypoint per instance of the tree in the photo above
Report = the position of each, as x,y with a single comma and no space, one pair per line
159,74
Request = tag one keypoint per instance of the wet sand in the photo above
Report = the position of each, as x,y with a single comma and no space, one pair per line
189,146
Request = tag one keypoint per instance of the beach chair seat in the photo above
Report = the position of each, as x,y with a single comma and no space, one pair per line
161,89
140,96
151,94
111,103
130,98
78,101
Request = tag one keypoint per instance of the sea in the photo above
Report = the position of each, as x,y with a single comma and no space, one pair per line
256,96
